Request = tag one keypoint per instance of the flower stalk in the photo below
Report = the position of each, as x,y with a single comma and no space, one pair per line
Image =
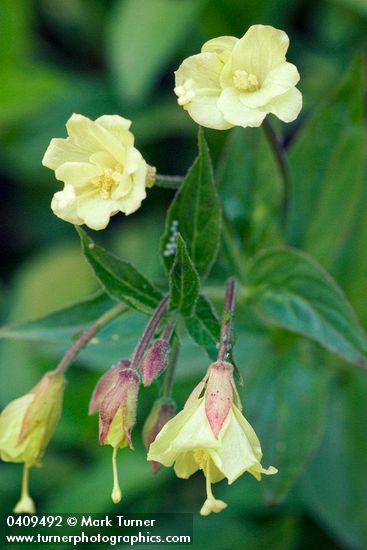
226,326
86,337
148,334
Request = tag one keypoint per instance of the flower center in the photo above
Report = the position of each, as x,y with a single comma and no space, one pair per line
107,182
185,92
245,82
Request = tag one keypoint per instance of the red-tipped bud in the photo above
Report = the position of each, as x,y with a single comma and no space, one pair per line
115,397
162,411
155,361
106,383
218,394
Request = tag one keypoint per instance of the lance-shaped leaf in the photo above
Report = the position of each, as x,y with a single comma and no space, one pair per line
62,324
184,281
119,278
291,290
196,214
203,326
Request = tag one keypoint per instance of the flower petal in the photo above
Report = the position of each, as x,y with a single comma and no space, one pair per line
117,126
260,50
94,137
240,449
281,79
63,150
222,46
77,173
286,106
236,113
204,111
64,205
161,449
204,69
96,212
185,465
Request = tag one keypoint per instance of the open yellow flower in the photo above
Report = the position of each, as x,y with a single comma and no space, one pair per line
236,82
212,435
26,425
102,171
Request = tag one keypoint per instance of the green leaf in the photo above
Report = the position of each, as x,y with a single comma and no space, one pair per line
292,291
139,46
326,191
278,398
184,281
61,324
119,278
250,186
203,326
196,214
335,486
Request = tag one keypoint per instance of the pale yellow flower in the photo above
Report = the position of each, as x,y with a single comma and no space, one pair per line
26,425
102,171
237,82
188,442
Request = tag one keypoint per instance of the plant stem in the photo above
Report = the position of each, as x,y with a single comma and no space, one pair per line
168,182
282,161
169,374
148,334
236,254
88,335
226,326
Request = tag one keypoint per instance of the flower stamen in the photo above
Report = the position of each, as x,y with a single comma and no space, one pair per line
244,81
186,92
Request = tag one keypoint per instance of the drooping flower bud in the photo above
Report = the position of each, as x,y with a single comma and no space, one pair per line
162,411
155,361
115,397
26,426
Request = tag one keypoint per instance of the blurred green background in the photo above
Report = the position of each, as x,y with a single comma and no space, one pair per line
118,56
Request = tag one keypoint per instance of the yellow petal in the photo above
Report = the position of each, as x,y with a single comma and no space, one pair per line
93,136
236,113
116,435
260,50
62,150
222,46
189,430
118,127
186,465
77,173
64,205
238,452
204,111
287,106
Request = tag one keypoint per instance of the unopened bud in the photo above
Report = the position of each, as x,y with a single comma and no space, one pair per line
155,361
162,411
27,423
105,384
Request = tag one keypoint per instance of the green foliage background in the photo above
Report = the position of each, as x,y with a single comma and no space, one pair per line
308,407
